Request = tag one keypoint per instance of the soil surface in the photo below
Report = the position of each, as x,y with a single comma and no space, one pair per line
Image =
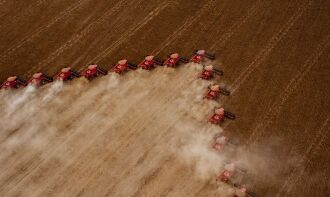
132,138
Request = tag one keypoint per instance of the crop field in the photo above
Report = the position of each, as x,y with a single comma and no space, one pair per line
145,133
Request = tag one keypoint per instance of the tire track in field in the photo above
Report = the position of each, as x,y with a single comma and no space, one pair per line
189,184
233,29
264,53
156,173
130,32
312,149
202,188
276,108
30,37
187,23
152,175
77,37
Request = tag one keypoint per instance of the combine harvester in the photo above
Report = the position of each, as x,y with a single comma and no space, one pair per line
209,72
174,59
219,116
93,71
221,142
229,172
40,79
13,82
150,62
200,55
214,92
123,66
67,74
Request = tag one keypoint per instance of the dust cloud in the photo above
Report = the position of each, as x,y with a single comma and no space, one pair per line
142,115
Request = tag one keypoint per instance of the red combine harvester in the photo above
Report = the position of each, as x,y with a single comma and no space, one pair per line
149,62
200,55
13,82
219,115
123,66
227,173
208,72
174,59
93,71
39,79
221,142
214,92
67,74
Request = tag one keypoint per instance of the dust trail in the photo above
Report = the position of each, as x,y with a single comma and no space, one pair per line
21,111
56,138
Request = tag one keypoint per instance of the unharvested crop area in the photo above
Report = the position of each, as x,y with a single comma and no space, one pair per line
145,133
